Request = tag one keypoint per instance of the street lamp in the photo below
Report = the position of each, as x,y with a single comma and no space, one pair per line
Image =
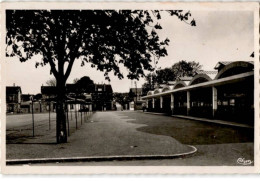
49,112
32,115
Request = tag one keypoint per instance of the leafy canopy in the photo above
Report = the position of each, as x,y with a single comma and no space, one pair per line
103,38
174,73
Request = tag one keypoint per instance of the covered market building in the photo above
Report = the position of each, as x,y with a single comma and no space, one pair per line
226,94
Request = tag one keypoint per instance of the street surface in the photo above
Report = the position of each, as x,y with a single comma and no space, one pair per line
131,133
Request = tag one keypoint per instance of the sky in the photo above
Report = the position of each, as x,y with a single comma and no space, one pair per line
218,36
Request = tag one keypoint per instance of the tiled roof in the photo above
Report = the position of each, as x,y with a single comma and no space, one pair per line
171,82
13,90
185,78
224,63
211,74
207,72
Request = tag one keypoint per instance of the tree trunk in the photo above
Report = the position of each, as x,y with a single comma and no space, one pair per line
61,131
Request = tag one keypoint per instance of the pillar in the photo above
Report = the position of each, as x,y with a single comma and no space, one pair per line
147,103
161,102
172,102
188,103
153,103
214,101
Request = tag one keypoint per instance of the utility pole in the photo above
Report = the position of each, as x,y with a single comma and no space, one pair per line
32,116
49,113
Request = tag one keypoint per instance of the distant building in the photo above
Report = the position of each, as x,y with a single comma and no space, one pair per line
26,103
79,98
13,99
102,97
48,101
137,94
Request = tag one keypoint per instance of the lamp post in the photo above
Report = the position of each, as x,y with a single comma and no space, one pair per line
49,113
32,115
67,111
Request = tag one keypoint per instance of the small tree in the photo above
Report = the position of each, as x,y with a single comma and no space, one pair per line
85,85
184,68
51,82
102,38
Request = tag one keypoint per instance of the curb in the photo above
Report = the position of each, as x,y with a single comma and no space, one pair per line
100,158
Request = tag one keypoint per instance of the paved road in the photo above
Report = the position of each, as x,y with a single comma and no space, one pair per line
125,132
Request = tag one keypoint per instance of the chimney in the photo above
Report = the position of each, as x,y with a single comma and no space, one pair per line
14,84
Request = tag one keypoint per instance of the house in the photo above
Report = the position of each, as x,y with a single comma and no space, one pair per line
137,94
48,100
13,99
102,97
26,103
78,98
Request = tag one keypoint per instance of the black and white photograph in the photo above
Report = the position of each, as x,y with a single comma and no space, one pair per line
138,87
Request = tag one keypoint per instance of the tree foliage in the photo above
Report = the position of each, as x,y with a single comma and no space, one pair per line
123,98
51,82
85,85
184,68
174,73
104,39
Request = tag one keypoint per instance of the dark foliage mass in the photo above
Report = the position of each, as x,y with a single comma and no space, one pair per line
103,38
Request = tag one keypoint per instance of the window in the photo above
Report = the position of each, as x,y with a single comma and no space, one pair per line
71,106
232,102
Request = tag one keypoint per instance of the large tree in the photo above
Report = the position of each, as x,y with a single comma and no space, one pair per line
103,38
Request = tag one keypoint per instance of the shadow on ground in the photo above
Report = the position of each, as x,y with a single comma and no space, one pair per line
195,133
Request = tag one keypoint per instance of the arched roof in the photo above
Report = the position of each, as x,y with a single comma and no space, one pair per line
156,91
235,68
150,93
179,84
166,88
196,78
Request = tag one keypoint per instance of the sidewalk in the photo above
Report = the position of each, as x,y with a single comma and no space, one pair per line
105,136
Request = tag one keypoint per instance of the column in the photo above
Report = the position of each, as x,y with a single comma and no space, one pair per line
147,103
161,102
172,102
214,101
188,103
153,103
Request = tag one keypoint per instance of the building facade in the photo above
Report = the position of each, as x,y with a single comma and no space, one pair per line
226,94
102,97
13,99
48,101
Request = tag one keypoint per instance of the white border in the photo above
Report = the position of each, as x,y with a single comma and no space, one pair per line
202,6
